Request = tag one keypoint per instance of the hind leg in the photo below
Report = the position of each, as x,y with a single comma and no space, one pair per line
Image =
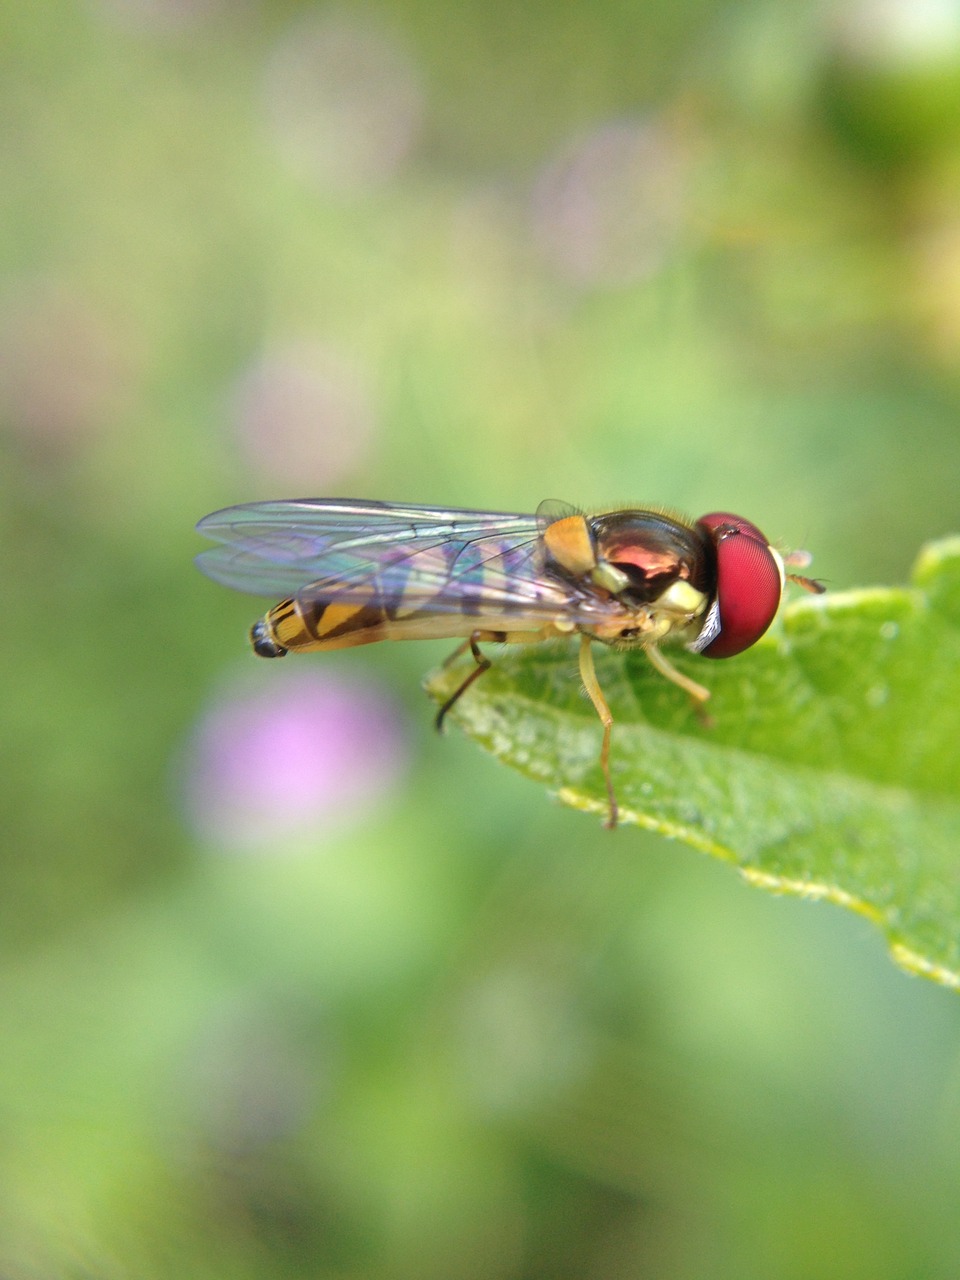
483,664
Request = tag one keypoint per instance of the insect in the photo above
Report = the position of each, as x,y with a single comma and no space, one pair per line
356,572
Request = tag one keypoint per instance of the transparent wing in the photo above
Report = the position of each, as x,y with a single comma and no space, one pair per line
443,560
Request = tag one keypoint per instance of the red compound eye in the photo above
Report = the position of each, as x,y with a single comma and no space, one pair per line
749,583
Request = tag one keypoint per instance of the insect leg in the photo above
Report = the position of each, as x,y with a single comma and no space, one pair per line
698,694
588,675
458,652
483,664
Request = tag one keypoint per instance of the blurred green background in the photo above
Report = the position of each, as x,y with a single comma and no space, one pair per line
290,986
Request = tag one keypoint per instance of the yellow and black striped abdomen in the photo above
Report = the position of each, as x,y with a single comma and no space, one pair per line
321,624
339,624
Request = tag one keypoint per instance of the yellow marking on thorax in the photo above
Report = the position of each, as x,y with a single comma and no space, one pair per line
569,543
609,577
683,597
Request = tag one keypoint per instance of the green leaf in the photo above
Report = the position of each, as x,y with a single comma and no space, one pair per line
832,769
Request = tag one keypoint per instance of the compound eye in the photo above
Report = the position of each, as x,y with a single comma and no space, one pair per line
749,583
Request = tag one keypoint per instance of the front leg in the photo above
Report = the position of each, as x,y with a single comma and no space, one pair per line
699,696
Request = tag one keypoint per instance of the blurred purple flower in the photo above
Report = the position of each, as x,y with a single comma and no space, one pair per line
304,417
608,209
344,101
301,755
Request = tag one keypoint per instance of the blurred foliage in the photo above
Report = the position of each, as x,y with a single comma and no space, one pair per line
700,254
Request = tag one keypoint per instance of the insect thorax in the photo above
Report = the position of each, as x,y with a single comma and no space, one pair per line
655,570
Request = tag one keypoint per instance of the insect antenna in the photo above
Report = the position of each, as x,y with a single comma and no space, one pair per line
800,560
808,584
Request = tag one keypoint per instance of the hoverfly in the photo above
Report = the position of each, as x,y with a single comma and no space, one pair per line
356,572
